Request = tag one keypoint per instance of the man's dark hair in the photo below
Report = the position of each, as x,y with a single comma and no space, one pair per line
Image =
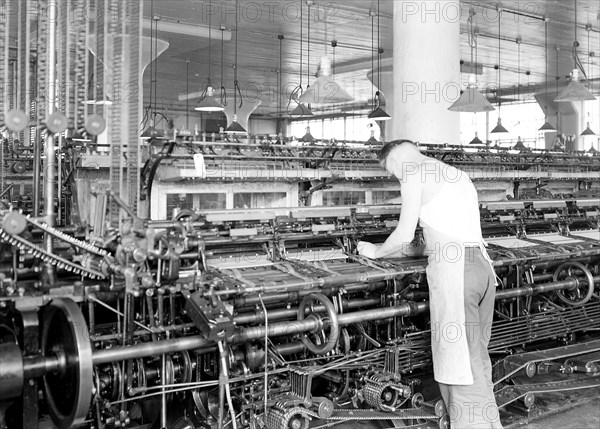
387,148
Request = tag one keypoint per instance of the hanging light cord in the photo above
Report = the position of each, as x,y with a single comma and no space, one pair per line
333,46
236,86
518,69
187,91
155,70
574,52
297,91
557,78
151,55
279,82
373,58
209,38
546,53
472,36
148,109
208,84
379,52
589,29
308,46
499,68
223,90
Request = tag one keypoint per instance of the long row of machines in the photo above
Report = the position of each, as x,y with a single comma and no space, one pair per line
267,318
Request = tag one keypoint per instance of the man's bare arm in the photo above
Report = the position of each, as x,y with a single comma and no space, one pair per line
400,240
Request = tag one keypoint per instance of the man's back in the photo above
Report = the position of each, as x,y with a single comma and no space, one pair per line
449,205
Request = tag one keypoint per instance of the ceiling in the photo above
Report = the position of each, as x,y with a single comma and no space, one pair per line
349,23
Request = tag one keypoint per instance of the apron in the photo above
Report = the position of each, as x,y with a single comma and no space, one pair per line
450,222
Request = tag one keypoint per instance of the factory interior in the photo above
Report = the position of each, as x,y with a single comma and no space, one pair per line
184,185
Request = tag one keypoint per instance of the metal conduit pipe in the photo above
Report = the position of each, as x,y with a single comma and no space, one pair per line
539,289
284,313
290,297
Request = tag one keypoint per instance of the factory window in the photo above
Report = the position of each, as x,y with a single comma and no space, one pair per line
202,201
259,200
343,129
343,198
385,197
521,120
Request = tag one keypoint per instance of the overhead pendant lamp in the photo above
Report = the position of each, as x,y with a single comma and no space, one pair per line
499,128
471,100
547,127
308,137
476,140
575,91
378,114
301,110
324,90
208,103
588,131
279,127
520,146
372,140
235,127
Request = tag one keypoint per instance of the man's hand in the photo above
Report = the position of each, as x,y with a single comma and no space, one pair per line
367,249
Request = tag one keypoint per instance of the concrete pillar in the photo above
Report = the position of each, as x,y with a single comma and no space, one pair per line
426,71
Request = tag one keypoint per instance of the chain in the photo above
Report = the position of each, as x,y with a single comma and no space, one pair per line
57,261
67,238
402,414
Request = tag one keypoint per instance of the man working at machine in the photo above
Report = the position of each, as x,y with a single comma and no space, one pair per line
460,277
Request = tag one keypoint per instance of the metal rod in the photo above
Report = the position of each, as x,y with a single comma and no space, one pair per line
163,394
49,180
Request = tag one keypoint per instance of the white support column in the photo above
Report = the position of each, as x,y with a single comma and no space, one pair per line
426,71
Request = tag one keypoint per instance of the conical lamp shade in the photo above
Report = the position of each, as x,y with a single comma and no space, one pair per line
308,137
520,145
379,115
593,151
471,100
325,90
547,127
301,111
235,127
372,139
588,131
499,128
575,91
476,140
209,104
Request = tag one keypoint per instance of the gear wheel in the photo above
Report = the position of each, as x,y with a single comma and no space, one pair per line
290,418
